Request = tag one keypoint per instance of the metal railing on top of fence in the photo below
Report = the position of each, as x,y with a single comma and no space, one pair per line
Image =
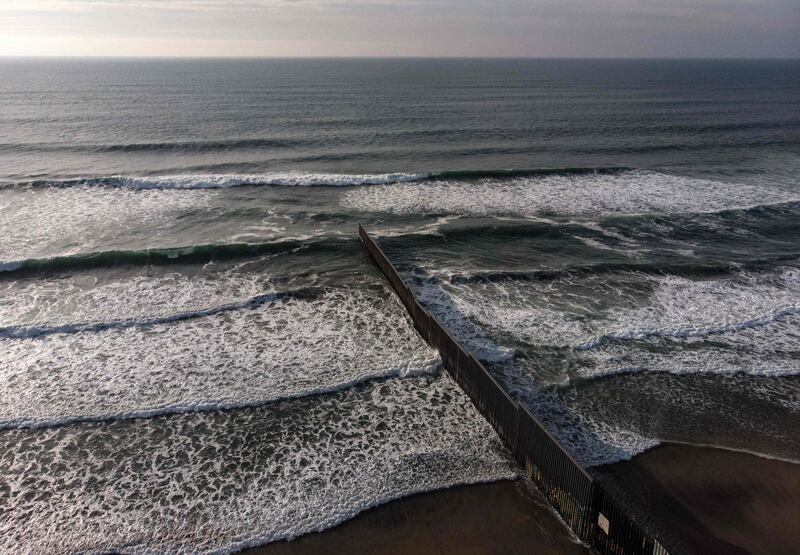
592,513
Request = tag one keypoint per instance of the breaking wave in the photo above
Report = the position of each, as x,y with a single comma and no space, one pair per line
627,322
409,370
460,277
284,470
29,331
160,256
283,346
304,179
570,193
770,317
225,181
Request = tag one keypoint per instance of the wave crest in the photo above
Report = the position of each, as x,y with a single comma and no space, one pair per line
28,331
226,181
770,317
159,256
301,179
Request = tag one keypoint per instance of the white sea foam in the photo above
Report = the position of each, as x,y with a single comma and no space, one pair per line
416,228
38,305
736,411
222,481
746,323
589,326
285,347
41,223
772,316
26,331
758,351
449,311
285,179
590,440
585,313
631,192
606,421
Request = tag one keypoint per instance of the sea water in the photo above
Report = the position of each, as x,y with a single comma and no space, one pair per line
196,356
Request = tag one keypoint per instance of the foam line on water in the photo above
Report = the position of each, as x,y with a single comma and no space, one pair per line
675,368
738,411
739,450
300,178
579,194
216,482
775,315
602,423
546,327
165,255
95,226
225,181
58,222
755,351
410,370
592,441
97,300
599,429
570,309
28,331
288,346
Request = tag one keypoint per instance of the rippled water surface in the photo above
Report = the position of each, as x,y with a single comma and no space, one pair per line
196,356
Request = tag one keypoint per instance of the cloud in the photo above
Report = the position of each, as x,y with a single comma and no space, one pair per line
633,28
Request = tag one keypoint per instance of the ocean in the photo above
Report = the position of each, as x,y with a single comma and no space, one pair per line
196,356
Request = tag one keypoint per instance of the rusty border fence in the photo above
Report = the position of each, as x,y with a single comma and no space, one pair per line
593,514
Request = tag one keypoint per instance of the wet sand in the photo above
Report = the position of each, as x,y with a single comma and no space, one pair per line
504,517
717,501
708,500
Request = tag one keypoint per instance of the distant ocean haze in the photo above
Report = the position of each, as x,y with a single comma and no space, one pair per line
181,282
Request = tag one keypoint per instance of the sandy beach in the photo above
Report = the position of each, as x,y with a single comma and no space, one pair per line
709,500
500,517
717,501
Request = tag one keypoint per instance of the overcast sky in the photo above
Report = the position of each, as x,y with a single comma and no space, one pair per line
528,28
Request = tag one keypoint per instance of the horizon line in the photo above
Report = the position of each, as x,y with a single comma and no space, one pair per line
379,57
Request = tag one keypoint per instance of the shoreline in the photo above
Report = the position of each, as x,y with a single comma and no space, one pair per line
713,500
706,499
719,448
504,516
